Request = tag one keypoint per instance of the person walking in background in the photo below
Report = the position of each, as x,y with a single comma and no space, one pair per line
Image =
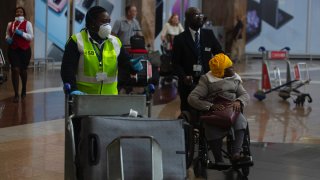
127,26
237,41
172,28
192,50
19,34
92,57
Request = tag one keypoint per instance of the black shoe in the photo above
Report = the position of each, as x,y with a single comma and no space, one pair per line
219,165
23,93
16,99
242,160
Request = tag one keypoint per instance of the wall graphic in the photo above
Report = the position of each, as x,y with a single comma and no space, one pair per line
275,24
57,22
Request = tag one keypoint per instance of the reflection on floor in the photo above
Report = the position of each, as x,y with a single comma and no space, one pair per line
285,138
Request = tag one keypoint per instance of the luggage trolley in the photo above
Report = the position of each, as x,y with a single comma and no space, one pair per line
273,81
166,71
149,75
109,136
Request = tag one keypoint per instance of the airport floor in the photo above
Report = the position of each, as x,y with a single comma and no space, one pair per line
285,138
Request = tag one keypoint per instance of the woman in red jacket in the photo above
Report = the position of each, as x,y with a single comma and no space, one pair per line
19,35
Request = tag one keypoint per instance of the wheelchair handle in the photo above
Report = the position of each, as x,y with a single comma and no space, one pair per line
151,88
67,88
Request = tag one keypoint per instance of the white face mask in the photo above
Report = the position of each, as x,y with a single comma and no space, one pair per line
19,18
104,31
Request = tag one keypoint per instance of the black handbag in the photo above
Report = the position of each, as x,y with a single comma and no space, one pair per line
137,42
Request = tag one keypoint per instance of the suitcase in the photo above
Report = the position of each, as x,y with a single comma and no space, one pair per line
97,132
116,160
137,42
166,66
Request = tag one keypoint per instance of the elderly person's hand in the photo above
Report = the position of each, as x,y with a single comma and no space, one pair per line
236,106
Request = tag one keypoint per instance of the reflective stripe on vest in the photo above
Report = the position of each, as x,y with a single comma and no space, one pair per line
89,65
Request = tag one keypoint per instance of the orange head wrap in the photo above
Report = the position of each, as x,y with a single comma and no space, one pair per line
218,64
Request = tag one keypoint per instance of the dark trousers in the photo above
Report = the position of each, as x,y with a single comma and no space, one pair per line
184,91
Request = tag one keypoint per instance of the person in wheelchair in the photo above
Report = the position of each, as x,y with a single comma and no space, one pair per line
222,81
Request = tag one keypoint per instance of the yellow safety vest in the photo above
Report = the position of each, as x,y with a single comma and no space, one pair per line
89,64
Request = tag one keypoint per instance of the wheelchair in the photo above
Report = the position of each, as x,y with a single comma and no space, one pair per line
197,148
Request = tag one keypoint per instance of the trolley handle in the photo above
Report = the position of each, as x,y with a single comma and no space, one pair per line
286,49
262,49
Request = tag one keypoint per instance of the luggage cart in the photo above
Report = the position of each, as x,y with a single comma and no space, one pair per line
3,74
105,131
273,81
128,82
166,71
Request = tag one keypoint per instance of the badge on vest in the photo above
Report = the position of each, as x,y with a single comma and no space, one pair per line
89,53
197,67
101,76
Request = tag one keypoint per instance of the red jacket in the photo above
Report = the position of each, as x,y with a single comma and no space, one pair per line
18,41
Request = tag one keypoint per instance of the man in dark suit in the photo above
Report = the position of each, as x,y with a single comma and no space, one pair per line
192,50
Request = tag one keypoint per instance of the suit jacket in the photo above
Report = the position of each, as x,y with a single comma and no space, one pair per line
185,53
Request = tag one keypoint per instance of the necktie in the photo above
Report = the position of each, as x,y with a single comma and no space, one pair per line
197,43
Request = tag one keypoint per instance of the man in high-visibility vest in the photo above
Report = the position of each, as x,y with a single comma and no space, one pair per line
92,57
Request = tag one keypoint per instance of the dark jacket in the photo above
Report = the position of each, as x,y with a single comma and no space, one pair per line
185,53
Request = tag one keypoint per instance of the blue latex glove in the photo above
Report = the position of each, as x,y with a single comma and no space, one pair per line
77,92
9,40
136,63
18,32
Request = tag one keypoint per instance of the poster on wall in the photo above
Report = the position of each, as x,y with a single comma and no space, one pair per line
275,24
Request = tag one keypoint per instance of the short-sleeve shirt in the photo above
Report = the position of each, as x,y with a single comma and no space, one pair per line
125,29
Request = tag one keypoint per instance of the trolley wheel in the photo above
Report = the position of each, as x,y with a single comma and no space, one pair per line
245,171
189,138
260,95
284,94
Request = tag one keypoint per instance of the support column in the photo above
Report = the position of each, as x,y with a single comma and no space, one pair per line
146,18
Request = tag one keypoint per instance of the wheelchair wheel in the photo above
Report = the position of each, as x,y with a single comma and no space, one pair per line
244,168
246,151
246,143
199,168
189,138
245,171
200,163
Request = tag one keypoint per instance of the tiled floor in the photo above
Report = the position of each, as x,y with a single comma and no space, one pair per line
285,138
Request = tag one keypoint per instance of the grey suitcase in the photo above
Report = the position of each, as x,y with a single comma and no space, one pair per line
116,158
94,105
97,132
